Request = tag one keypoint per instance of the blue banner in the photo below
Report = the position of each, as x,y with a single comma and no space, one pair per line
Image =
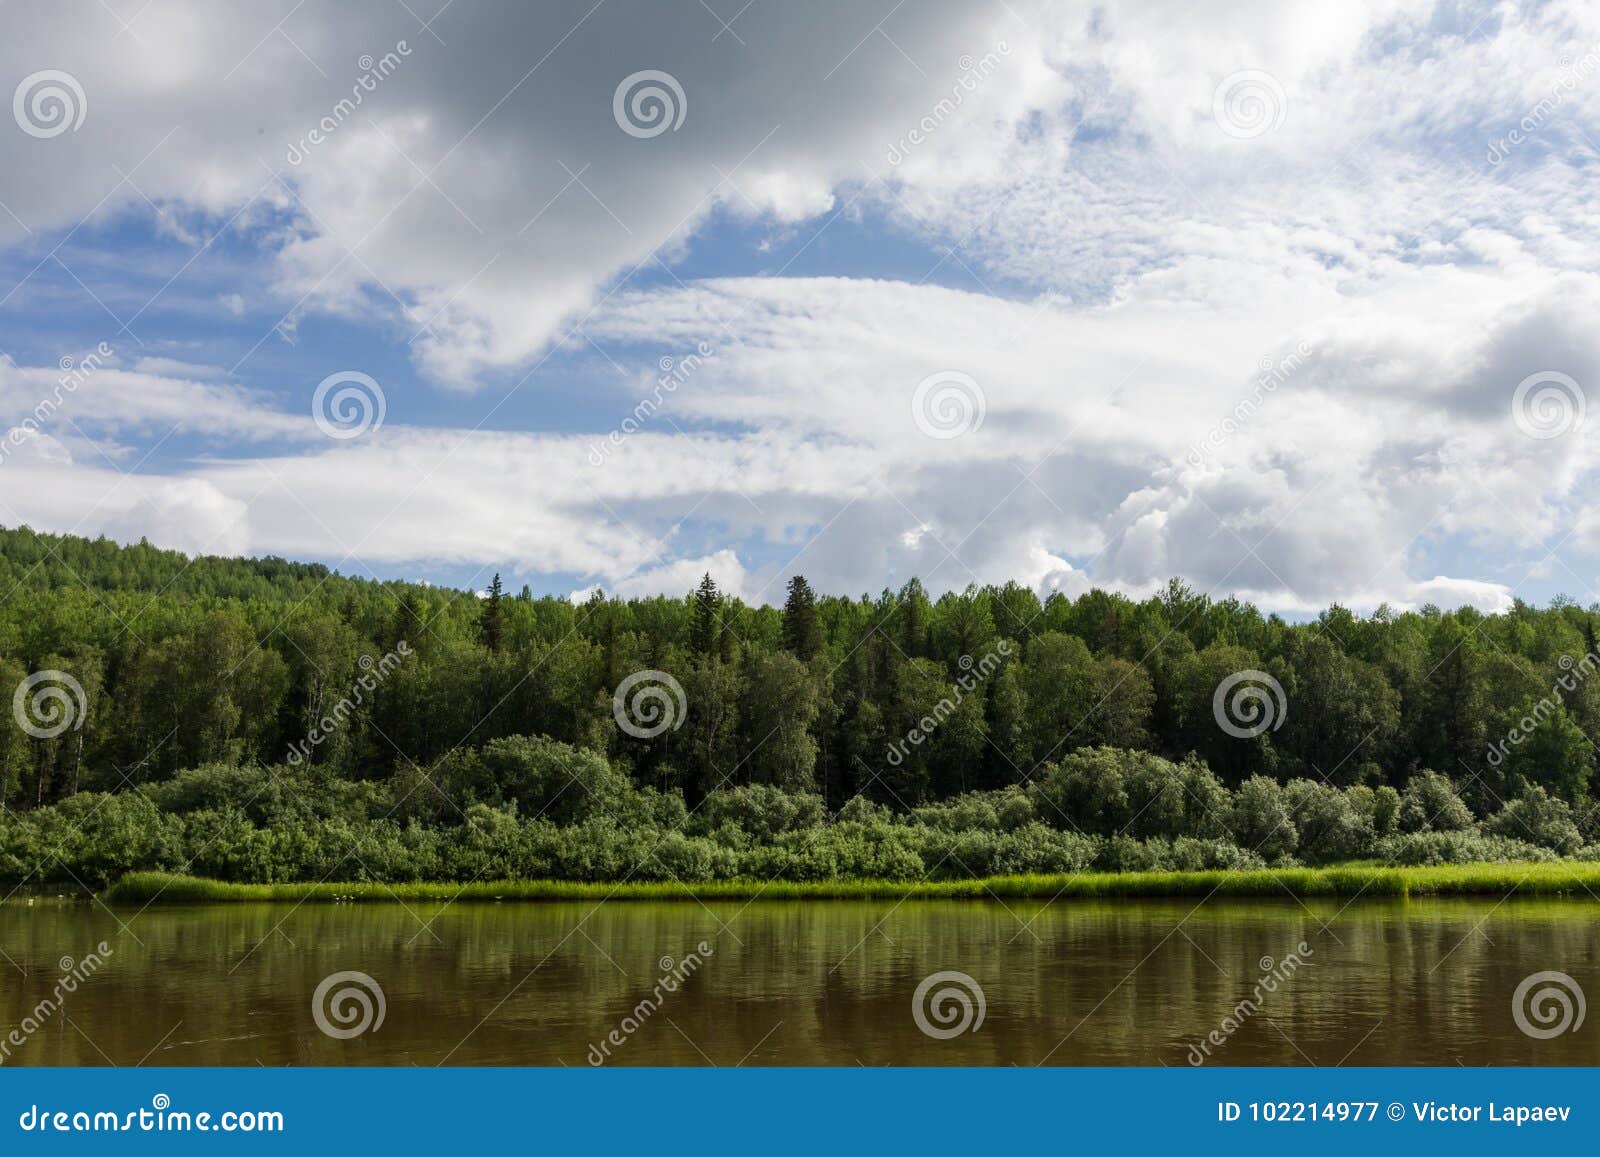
744,1111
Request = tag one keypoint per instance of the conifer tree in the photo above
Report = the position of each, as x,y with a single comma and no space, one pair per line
801,630
489,625
703,628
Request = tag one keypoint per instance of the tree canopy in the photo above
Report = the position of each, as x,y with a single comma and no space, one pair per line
898,699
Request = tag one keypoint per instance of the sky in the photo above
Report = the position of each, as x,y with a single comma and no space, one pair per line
1297,302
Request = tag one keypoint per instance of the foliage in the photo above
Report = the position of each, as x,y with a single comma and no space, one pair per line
1430,804
895,735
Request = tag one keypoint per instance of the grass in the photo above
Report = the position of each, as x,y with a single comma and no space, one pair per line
1544,879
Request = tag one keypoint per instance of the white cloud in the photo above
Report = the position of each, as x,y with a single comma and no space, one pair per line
1132,267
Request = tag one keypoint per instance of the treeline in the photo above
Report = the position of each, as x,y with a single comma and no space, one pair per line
896,698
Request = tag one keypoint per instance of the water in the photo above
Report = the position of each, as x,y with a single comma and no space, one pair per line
821,983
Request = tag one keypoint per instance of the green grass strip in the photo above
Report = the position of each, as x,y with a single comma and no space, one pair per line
1545,879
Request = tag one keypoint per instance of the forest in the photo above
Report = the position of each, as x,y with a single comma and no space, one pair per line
263,720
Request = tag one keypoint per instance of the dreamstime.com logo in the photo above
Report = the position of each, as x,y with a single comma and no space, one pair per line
1274,373
1566,82
1256,704
48,703
973,74
1248,104
674,373
674,975
649,103
1547,1004
73,973
373,673
49,103
948,404
947,1004
160,1117
1274,974
348,404
73,374
1572,674
347,1004
648,703
1548,404
373,72
972,674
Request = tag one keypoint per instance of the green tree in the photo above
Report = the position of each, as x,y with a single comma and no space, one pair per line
490,627
802,632
780,707
1543,745
705,627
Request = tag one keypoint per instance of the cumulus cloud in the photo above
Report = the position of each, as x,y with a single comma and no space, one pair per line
1246,296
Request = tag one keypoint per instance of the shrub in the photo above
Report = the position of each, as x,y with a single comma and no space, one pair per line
760,811
1537,818
1331,827
1199,855
1261,821
1380,805
1420,849
1430,804
988,811
1108,791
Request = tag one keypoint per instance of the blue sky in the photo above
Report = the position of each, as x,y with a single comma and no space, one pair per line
990,290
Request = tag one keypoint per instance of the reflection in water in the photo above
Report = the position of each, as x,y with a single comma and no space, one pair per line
830,983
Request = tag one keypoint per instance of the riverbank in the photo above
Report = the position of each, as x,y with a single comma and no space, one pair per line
1533,879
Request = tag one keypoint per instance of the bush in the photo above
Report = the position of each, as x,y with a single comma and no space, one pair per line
537,809
858,809
1200,855
1262,822
1109,791
1422,849
1330,826
1380,806
760,811
1430,804
1537,818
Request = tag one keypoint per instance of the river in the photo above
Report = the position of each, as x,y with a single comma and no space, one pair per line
1144,982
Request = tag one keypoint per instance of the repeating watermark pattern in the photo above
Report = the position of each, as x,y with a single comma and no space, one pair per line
73,374
374,672
674,373
973,74
1274,373
373,72
48,703
48,103
347,1004
648,703
1567,80
73,973
1573,674
649,103
674,974
1548,404
1248,104
1547,1004
1248,703
972,674
348,404
947,1004
1274,973
948,404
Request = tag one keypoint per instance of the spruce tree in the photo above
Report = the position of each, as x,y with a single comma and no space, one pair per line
801,630
703,627
489,619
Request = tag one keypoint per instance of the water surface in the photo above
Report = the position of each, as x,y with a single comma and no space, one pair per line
807,983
